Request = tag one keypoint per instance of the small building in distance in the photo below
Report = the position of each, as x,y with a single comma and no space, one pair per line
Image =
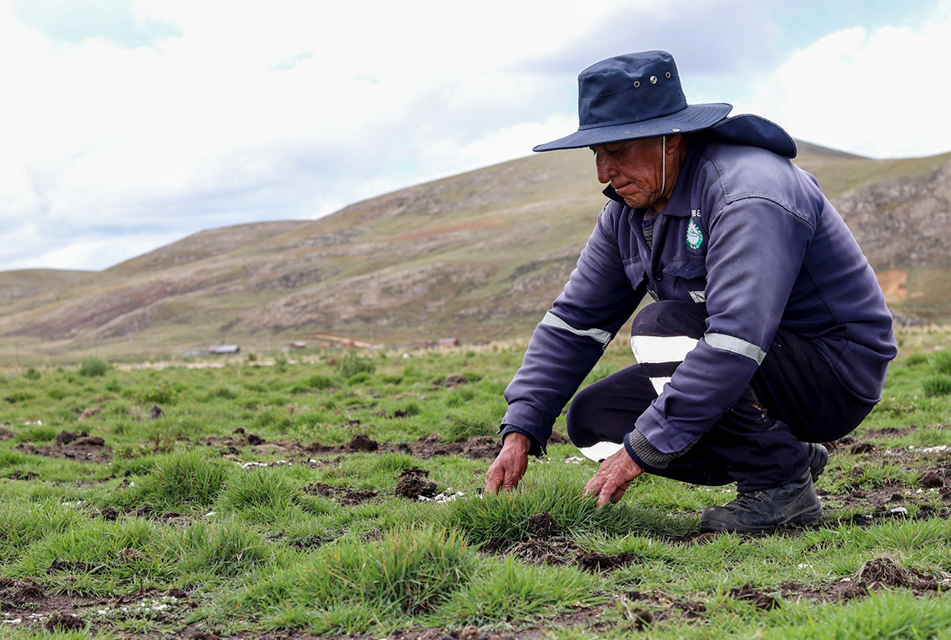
224,350
299,344
441,343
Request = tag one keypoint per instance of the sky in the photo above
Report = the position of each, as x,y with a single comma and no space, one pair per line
128,124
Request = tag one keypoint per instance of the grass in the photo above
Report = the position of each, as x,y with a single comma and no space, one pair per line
237,509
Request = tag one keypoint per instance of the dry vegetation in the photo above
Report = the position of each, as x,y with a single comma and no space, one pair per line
477,256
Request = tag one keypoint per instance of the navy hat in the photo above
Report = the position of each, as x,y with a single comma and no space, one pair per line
637,95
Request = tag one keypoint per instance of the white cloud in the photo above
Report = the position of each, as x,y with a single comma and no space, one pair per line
158,118
880,93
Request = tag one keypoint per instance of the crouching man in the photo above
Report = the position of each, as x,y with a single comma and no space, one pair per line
768,334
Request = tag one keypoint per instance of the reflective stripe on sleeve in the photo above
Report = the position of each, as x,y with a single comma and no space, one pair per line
735,345
651,349
599,335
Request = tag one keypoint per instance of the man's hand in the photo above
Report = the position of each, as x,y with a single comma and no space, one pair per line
510,465
613,477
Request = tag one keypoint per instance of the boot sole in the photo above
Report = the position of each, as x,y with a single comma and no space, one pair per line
803,519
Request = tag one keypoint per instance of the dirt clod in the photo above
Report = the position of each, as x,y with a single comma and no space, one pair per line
29,591
862,447
884,572
109,513
603,562
412,484
363,443
65,437
455,380
64,622
254,439
759,599
931,480
850,590
156,412
542,525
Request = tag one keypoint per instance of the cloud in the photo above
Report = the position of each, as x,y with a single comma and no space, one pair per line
165,117
70,22
879,93
707,37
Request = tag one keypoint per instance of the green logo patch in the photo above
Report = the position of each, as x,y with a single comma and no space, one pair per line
694,235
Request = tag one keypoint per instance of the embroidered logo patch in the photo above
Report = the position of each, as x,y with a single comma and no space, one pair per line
694,235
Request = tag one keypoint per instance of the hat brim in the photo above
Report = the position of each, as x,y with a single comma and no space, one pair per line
695,117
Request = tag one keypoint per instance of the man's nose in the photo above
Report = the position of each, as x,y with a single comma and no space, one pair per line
606,168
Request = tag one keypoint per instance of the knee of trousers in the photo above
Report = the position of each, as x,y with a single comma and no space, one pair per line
581,413
670,318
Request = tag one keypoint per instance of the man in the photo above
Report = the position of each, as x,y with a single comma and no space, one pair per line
768,333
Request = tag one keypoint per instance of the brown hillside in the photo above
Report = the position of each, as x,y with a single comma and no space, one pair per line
477,256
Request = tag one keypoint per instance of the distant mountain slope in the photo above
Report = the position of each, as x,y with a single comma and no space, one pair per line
479,255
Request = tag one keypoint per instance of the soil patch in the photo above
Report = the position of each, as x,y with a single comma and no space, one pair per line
601,562
6,434
362,443
551,551
477,448
81,447
542,525
759,599
343,495
412,484
64,622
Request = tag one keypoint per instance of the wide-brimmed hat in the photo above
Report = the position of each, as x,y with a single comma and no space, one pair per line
637,95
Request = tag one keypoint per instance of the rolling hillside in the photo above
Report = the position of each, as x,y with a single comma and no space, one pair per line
478,256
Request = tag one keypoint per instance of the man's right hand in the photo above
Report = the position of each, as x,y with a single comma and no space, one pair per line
510,465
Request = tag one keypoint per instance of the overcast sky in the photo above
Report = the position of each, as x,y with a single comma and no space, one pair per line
129,124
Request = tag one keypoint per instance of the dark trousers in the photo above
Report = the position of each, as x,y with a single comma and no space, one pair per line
794,397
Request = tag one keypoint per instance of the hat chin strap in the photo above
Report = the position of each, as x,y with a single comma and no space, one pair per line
663,159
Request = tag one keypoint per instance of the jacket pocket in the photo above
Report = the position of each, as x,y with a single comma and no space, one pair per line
691,275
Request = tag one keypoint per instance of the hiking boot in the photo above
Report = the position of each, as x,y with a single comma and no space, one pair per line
818,458
795,503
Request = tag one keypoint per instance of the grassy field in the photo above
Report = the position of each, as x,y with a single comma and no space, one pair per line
342,497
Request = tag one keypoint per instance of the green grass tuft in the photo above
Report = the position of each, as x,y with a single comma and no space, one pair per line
350,586
938,385
182,480
503,517
93,367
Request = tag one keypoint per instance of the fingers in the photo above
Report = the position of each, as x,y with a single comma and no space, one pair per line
612,478
506,472
493,479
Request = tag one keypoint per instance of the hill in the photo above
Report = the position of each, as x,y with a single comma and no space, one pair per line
477,256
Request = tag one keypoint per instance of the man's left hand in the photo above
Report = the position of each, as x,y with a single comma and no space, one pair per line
613,477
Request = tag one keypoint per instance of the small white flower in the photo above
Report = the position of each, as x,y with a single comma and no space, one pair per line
803,566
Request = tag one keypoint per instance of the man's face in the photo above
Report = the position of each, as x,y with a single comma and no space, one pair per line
634,169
